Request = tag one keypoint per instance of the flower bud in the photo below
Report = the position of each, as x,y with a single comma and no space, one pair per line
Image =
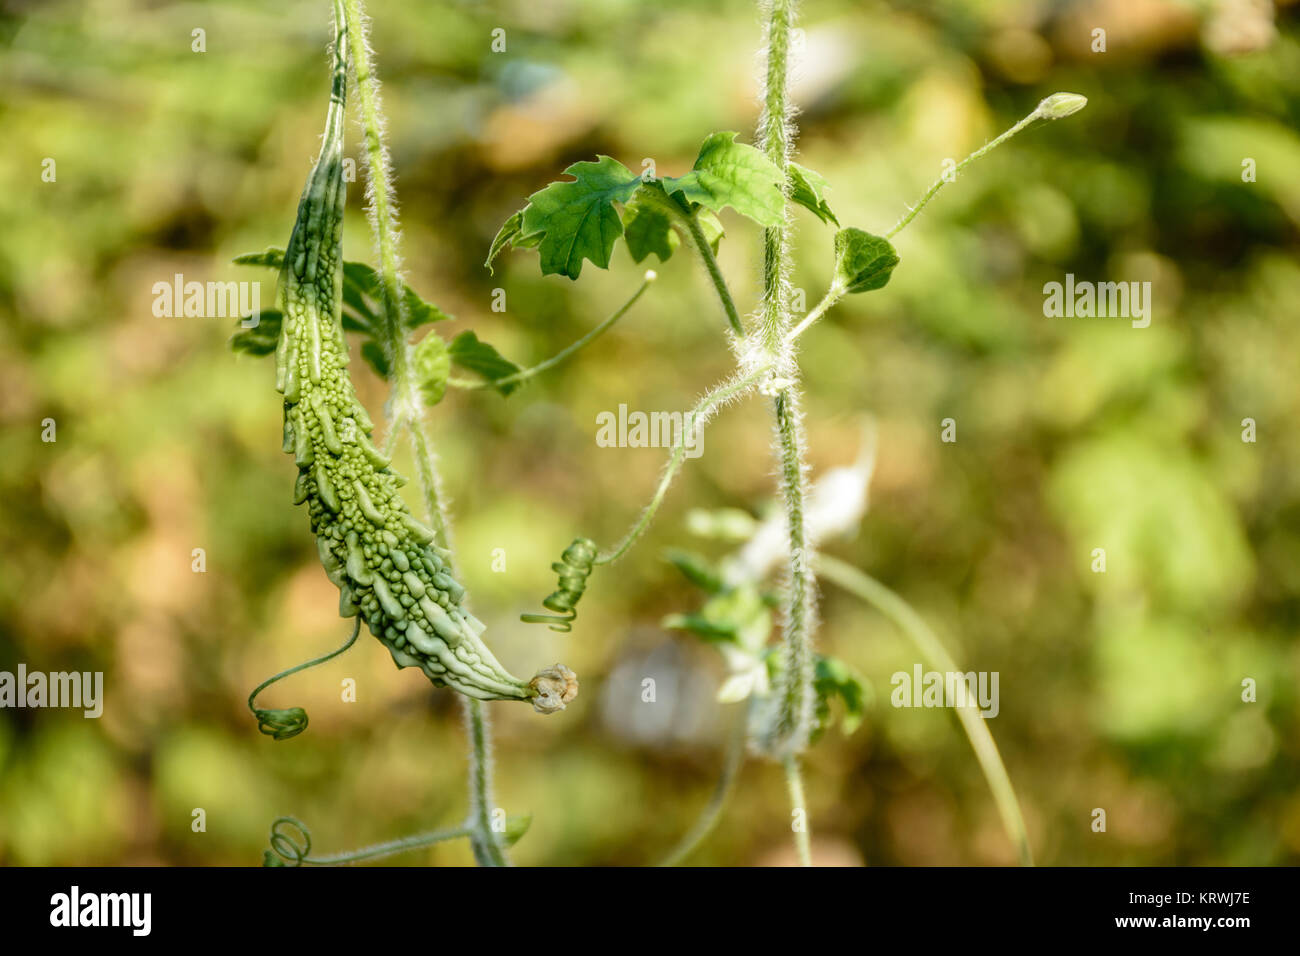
1060,105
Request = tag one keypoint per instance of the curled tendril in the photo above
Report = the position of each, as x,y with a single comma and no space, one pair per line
289,848
286,849
281,723
574,567
285,722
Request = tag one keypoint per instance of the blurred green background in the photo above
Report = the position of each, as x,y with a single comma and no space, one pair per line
1119,690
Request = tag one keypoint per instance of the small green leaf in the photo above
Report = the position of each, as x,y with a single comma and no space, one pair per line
361,287
696,570
647,227
511,234
727,524
469,353
419,312
576,220
863,262
727,173
833,678
272,258
734,616
711,226
259,339
362,281
505,236
701,626
516,827
374,355
808,189
432,363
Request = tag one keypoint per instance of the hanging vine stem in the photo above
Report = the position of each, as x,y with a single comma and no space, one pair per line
581,557
404,402
550,363
294,850
709,816
907,620
285,722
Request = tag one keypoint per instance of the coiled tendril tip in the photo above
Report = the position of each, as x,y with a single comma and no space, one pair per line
574,567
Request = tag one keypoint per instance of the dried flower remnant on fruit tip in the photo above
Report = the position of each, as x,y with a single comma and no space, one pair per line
1060,105
553,688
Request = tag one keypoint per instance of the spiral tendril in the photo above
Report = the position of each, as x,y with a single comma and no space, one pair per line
281,723
574,567
285,846
290,849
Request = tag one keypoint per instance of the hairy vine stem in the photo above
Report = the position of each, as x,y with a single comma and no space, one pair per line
787,727
404,401
694,422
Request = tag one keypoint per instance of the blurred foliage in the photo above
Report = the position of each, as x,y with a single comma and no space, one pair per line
1119,690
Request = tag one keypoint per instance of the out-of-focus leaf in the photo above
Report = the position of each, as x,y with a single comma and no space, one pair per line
833,678
432,366
696,569
477,356
260,339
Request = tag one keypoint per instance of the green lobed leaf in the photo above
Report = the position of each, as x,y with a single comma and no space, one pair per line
576,220
469,353
511,234
727,173
808,189
432,364
647,227
863,262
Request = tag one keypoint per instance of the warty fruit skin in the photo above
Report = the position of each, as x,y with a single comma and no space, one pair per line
380,556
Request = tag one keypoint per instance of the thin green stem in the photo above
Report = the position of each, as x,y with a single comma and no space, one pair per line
488,850
832,296
732,761
677,208
692,424
550,363
799,818
404,400
402,845
289,722
906,619
710,261
1056,106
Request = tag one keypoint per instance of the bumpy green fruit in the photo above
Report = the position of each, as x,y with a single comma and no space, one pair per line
372,548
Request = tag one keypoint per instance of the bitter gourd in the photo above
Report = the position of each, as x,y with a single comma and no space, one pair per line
377,553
